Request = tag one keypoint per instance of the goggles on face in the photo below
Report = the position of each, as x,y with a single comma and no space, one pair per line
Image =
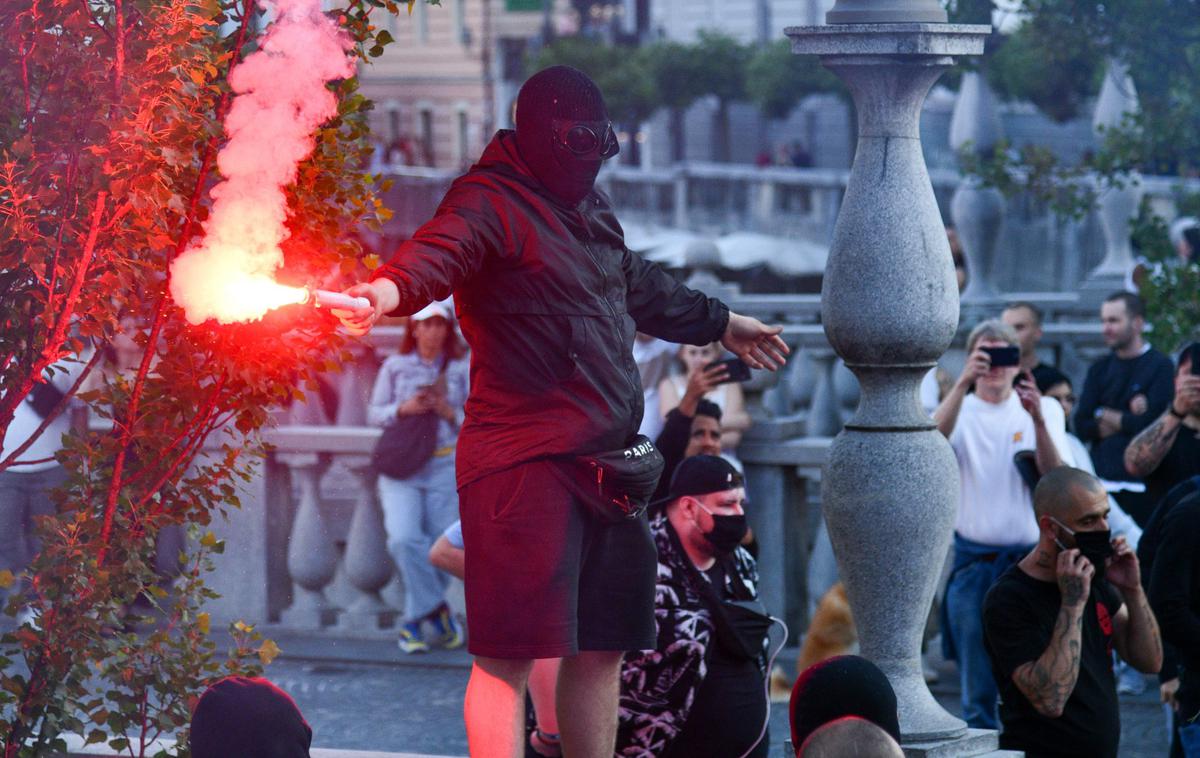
586,139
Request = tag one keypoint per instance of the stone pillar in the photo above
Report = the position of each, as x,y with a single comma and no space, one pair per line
312,556
354,385
368,565
1116,205
824,412
977,211
889,305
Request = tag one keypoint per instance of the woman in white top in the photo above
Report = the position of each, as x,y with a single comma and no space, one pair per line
727,396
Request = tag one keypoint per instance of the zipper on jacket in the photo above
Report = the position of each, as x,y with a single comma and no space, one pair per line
604,296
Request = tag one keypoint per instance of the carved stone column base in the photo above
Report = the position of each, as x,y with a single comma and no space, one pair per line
976,742
310,610
367,614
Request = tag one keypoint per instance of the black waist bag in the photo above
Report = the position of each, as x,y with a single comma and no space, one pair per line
617,485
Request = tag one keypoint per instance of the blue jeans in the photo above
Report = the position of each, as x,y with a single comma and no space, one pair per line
964,606
416,511
23,497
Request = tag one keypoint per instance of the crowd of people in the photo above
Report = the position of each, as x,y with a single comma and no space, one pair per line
1048,607
1074,559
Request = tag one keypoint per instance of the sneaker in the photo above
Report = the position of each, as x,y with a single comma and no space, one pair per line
410,639
448,630
1130,681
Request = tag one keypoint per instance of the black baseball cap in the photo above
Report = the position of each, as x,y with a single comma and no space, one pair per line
702,475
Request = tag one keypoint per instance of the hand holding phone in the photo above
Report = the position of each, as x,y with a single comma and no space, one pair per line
1009,355
735,370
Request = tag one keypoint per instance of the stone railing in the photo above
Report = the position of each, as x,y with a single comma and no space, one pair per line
308,551
1014,245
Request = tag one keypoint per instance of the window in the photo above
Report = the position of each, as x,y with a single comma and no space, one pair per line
463,138
426,131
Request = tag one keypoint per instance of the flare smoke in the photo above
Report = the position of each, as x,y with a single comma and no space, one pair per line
280,99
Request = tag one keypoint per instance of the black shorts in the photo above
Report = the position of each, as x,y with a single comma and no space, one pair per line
544,577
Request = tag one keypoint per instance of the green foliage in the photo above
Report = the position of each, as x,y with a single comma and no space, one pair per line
1172,295
622,74
721,65
1058,70
108,141
674,69
777,79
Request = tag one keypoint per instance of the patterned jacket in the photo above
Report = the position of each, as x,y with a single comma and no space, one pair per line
659,686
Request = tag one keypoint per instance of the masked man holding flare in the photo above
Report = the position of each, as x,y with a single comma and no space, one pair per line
549,298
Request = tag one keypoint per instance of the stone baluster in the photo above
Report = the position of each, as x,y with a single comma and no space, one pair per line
368,565
824,412
312,557
845,386
1115,205
977,211
890,307
679,199
354,386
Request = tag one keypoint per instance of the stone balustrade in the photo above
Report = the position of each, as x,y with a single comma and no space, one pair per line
308,551
1017,244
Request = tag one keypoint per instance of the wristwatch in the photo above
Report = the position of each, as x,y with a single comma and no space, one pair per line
1175,413
1099,413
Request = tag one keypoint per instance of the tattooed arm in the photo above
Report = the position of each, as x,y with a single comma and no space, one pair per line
1049,681
1147,450
1135,630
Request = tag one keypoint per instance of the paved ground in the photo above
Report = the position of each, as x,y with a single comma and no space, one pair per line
365,695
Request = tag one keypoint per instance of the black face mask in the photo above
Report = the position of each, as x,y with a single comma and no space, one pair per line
1096,546
549,104
727,531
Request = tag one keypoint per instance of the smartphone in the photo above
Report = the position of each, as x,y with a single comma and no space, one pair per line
1009,355
735,370
1195,350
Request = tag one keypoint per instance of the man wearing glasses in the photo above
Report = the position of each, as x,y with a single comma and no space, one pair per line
549,299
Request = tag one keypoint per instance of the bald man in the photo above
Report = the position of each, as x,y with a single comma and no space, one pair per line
1052,621
850,736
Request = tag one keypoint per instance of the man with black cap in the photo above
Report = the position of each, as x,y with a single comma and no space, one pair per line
549,299
701,690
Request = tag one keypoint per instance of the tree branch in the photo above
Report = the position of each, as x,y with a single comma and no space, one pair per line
54,413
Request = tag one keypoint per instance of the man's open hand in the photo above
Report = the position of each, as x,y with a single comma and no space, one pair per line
758,345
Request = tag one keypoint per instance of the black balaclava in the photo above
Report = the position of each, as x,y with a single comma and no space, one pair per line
241,716
846,685
563,93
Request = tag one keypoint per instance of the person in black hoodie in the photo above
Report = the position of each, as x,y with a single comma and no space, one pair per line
1124,392
549,298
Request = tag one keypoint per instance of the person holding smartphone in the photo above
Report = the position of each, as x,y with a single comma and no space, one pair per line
995,526
427,375
706,376
1168,451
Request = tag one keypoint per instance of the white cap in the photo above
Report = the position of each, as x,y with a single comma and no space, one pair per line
1181,225
441,309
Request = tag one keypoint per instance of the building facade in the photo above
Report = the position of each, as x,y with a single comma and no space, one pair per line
448,81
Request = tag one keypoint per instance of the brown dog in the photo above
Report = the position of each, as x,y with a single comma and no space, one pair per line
831,633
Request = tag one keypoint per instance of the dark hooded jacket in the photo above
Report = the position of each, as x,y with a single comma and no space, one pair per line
549,299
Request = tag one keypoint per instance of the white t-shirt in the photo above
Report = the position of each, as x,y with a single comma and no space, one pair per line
25,422
653,359
995,505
